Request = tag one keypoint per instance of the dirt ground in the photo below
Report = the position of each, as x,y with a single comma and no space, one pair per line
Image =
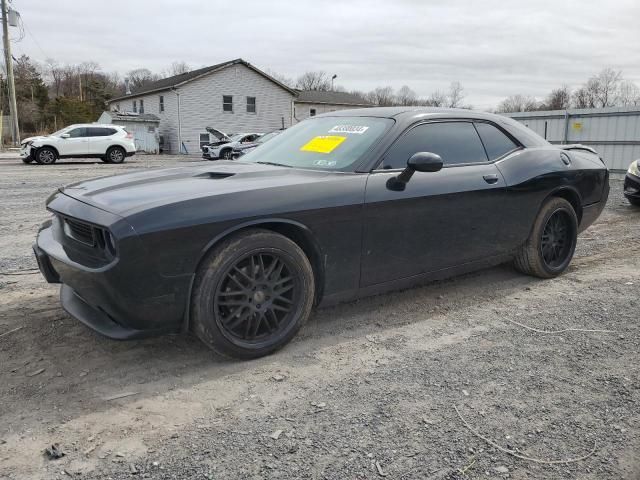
368,390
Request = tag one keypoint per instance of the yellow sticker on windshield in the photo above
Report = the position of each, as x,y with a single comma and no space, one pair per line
323,144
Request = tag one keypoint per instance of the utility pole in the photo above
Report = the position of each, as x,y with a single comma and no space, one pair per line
13,109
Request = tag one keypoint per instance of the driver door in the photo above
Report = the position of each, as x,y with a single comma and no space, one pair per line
441,219
77,143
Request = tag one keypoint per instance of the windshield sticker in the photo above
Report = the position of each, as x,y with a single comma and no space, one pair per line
325,163
357,129
323,144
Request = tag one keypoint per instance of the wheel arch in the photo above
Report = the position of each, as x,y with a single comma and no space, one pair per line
572,196
48,146
297,232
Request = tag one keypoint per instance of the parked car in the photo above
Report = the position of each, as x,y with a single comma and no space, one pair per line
111,143
245,148
225,144
632,184
339,206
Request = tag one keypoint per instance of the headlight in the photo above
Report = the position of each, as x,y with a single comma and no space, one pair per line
633,169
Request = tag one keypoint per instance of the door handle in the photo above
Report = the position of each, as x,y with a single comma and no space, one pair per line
491,178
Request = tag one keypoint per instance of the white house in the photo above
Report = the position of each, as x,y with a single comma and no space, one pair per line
310,103
232,97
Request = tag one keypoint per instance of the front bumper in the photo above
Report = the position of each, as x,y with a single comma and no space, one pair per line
122,300
632,186
25,151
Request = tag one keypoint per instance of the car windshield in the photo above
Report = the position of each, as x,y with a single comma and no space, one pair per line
327,143
236,138
59,132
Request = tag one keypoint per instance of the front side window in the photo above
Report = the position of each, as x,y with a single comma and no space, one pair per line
227,103
251,104
495,142
141,106
326,143
161,106
204,140
135,106
78,132
455,142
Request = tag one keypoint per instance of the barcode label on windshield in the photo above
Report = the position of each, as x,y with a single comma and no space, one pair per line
357,129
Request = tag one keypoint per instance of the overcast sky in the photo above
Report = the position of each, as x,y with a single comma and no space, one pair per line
494,48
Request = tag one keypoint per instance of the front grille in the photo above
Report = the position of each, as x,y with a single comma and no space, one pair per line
80,231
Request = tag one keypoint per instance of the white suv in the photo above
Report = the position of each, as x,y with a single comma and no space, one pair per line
111,143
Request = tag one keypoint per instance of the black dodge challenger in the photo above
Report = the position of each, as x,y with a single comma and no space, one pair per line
339,206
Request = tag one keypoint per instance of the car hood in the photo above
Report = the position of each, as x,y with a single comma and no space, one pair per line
36,138
134,192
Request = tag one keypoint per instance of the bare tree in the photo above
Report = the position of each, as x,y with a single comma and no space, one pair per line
518,103
436,99
140,77
454,99
606,85
406,96
381,96
558,99
628,94
314,81
176,68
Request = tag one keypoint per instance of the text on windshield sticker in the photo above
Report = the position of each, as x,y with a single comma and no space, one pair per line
357,129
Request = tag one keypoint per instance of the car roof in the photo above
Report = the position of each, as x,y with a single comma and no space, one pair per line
408,115
76,125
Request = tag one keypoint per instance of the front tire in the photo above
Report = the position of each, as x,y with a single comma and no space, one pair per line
552,242
634,201
226,154
116,155
46,156
252,294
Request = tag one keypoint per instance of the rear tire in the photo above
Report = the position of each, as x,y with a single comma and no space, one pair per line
552,242
46,156
252,294
116,155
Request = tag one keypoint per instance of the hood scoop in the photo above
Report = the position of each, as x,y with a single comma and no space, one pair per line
215,175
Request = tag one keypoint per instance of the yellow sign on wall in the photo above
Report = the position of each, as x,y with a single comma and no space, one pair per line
577,126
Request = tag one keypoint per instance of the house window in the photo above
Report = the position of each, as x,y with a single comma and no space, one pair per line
141,106
204,140
251,104
227,103
312,112
135,106
161,103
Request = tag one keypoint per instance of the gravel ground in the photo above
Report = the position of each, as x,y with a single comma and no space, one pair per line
368,390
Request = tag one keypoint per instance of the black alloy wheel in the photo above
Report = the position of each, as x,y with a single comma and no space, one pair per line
252,293
550,246
256,298
556,239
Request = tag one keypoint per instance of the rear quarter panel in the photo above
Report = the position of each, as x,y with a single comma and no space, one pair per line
534,174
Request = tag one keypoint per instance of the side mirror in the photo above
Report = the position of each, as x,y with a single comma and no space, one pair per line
418,162
425,162
65,135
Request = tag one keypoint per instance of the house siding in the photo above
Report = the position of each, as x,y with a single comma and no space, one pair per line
201,106
302,109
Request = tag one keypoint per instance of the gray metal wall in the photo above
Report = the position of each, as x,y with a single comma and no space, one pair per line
613,132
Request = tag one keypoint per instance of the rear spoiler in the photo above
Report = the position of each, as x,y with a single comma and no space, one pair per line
577,146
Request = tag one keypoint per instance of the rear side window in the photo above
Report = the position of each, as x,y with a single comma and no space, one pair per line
455,142
496,143
100,132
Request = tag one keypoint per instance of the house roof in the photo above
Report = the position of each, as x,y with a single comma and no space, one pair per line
177,80
334,98
133,117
